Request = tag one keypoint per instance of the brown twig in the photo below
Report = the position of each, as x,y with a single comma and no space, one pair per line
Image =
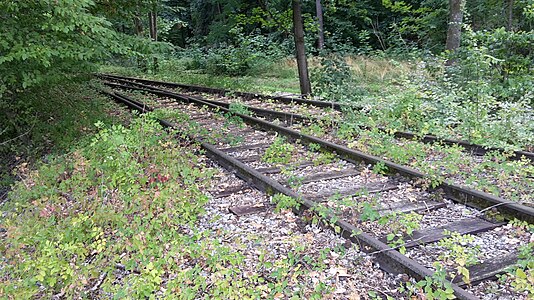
17,137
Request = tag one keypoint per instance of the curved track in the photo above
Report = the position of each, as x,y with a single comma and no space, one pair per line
290,104
336,187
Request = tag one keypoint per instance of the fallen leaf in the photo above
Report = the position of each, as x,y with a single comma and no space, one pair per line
354,296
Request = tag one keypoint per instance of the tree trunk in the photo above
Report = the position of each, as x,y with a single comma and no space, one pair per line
298,27
153,26
455,26
152,21
138,26
510,15
319,9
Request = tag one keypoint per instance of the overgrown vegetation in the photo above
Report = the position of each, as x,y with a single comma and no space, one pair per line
49,120
521,276
279,152
112,204
457,255
106,216
494,173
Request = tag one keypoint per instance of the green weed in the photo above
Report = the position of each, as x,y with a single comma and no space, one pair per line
458,254
285,202
279,152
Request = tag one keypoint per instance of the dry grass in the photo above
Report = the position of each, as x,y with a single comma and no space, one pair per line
366,68
377,68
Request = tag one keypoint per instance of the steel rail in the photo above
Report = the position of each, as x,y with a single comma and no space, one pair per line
283,116
387,257
427,138
246,95
460,194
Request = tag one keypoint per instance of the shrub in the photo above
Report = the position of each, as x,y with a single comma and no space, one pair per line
115,199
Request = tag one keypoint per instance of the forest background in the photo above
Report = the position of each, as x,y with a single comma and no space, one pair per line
353,46
457,69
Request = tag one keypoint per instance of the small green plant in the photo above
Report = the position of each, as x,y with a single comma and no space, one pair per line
380,168
314,147
368,212
458,253
347,131
234,139
295,181
434,287
239,108
315,129
521,276
285,202
324,157
322,211
279,152
233,119
400,225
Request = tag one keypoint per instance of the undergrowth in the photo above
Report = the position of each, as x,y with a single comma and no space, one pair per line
115,204
271,77
49,119
467,102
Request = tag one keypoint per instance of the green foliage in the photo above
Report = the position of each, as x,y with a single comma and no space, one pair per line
279,152
521,276
333,79
314,147
493,72
436,286
43,40
115,200
500,60
324,157
468,102
315,129
423,24
40,121
488,15
459,254
263,17
40,38
380,168
400,225
285,202
368,212
495,174
239,108
243,54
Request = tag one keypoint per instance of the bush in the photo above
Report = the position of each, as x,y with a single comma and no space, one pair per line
48,119
499,58
246,55
120,199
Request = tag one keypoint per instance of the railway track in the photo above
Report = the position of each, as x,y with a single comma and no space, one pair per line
301,109
508,180
344,191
